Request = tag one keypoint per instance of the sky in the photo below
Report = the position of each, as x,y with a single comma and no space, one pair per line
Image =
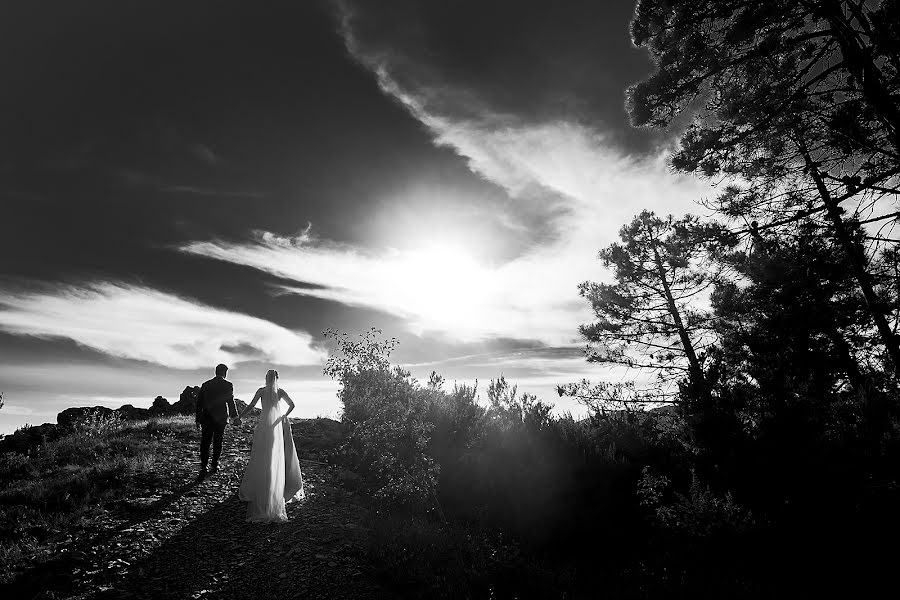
184,184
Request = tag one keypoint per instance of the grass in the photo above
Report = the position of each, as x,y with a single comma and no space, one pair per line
62,483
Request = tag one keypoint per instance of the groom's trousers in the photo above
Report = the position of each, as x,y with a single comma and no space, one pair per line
211,432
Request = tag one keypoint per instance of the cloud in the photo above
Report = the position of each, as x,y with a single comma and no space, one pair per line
566,170
545,365
144,324
23,411
201,191
203,153
521,121
435,289
588,190
531,61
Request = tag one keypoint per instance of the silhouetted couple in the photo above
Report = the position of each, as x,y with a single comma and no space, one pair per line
272,476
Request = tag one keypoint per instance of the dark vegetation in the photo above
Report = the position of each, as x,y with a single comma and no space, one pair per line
51,485
763,458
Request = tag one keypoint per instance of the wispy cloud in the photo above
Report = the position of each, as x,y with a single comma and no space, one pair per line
24,411
204,153
443,289
436,289
145,324
565,171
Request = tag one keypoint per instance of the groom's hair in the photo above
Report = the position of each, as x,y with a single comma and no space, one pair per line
221,370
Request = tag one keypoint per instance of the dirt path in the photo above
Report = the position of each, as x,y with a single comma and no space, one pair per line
191,541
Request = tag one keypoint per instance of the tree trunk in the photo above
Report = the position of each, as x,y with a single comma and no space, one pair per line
695,370
857,263
842,349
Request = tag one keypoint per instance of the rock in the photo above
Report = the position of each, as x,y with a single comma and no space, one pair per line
187,402
160,407
70,416
132,413
28,437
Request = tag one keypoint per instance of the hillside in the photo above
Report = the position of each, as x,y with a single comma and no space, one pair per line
118,513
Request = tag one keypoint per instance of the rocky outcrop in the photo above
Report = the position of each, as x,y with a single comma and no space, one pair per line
70,416
186,405
187,402
26,437
132,413
160,407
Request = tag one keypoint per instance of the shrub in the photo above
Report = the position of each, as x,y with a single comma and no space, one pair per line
385,412
29,437
510,463
14,465
699,512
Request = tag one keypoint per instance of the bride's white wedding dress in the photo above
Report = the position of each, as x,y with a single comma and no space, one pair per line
273,476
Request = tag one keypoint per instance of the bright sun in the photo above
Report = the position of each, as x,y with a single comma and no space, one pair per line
443,281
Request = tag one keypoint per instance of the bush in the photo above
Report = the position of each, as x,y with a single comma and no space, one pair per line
96,423
700,512
509,464
385,410
28,437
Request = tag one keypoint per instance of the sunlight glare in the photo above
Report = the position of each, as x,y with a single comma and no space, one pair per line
443,282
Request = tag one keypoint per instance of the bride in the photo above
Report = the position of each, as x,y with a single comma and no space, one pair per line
273,476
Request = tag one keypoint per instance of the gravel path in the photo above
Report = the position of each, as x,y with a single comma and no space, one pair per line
191,541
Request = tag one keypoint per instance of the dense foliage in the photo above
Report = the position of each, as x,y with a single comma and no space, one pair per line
553,484
797,101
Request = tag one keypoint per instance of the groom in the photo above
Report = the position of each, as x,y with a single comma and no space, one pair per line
215,403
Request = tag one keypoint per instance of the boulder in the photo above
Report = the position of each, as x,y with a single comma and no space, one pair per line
132,413
187,402
186,405
160,407
29,437
71,416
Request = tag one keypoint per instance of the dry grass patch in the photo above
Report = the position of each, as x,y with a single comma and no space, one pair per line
58,484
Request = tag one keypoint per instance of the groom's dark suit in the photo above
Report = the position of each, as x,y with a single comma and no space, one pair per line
215,403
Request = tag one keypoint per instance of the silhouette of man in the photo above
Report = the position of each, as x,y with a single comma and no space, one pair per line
215,403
